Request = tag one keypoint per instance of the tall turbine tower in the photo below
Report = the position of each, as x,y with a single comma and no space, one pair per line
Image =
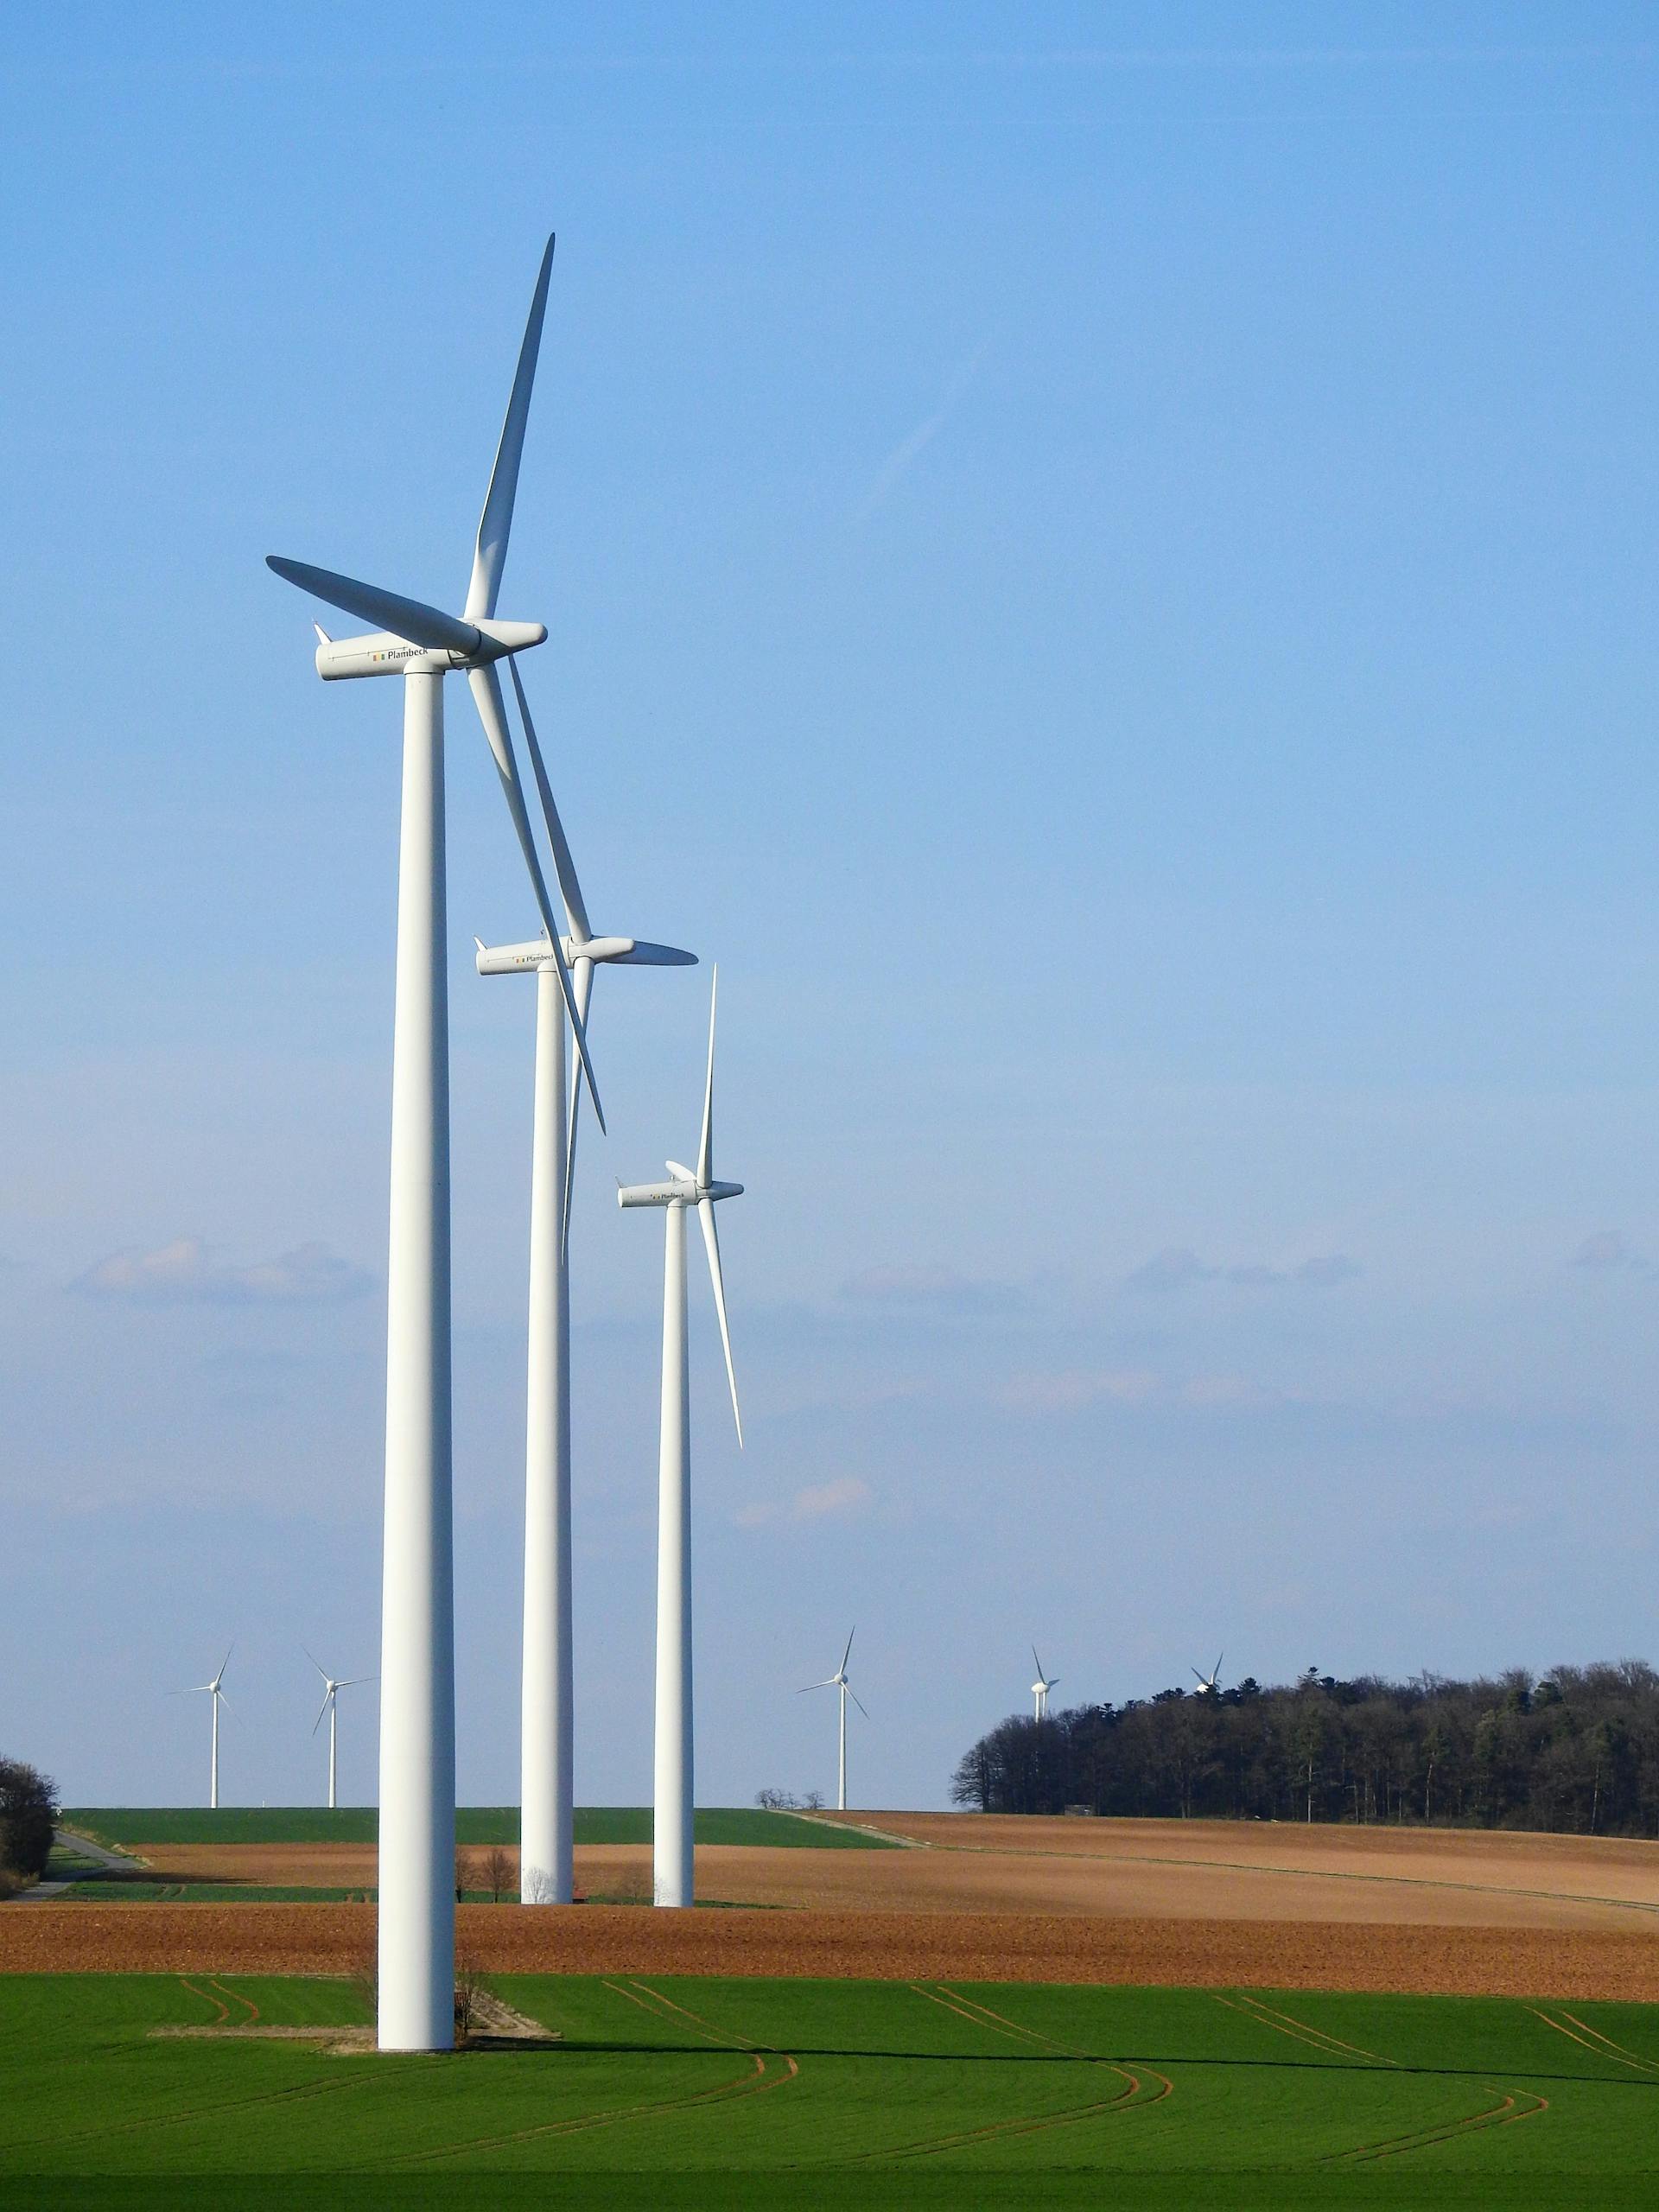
331,1690
838,1682
418,1731
547,1817
1041,1686
671,1853
219,1699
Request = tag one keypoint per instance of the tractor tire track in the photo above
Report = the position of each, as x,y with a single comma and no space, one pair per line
741,2085
1593,2039
1502,2114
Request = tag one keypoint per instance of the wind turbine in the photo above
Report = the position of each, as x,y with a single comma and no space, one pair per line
547,1817
1041,1686
671,1853
219,1698
838,1682
331,1690
423,643
1208,1684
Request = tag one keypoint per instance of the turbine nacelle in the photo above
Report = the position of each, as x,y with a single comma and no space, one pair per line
383,652
536,952
684,1191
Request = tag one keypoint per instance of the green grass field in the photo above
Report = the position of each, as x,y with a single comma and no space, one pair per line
136,1825
679,2093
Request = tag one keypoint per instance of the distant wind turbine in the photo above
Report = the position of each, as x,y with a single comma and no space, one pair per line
1041,1686
1208,1684
331,1690
838,1682
219,1698
547,1721
671,1858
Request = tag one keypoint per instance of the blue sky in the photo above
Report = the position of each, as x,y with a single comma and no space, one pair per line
1101,561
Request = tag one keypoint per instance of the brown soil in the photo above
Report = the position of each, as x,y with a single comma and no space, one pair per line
1144,1870
1004,1947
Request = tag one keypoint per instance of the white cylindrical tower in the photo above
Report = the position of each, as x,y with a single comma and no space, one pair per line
418,1725
671,1844
546,1765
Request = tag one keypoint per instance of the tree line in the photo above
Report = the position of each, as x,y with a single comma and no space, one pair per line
28,1812
1575,1750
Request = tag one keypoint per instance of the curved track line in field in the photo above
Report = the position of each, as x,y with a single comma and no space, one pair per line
298,2093
1270,2016
741,2085
999,2023
1593,2039
664,2008
732,2038
1128,2098
1502,2114
972,2009
236,1996
223,2010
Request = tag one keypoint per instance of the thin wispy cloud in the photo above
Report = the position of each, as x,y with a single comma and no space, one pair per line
1074,1390
1179,1267
929,1289
1609,1252
186,1272
847,1494
904,455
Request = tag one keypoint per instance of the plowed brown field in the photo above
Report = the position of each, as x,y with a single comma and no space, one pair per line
1004,1947
1204,1902
1146,1870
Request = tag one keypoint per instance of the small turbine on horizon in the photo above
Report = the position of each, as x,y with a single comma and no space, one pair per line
331,1690
838,1682
673,1864
1210,1684
219,1698
1040,1689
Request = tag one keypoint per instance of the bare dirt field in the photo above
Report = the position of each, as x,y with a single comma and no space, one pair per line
1003,1947
1143,1870
1200,1903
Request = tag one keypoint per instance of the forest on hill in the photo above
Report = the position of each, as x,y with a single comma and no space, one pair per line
1575,1750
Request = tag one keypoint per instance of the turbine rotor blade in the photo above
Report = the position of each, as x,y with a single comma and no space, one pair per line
486,687
565,867
321,1709
711,1239
317,1663
583,979
647,954
388,610
858,1700
848,1653
1039,1662
496,521
706,1143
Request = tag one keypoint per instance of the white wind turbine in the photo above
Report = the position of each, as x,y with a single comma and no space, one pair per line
423,643
838,1682
1041,1686
671,1853
219,1699
1208,1684
546,1815
331,1690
